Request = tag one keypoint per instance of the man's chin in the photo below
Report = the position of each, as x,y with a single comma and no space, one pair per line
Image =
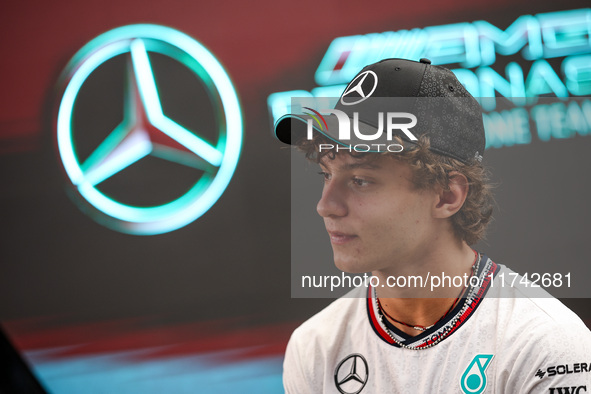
350,266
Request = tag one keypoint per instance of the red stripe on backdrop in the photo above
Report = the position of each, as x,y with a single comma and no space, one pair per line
156,342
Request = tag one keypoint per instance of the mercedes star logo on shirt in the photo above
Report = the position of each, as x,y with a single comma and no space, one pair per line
351,374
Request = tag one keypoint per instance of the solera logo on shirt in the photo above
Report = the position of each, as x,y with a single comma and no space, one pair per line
564,369
473,380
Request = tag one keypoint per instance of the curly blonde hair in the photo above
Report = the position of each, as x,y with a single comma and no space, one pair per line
432,170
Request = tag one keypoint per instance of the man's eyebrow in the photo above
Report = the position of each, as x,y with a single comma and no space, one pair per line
368,165
364,165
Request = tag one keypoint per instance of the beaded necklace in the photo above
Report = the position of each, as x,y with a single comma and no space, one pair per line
467,302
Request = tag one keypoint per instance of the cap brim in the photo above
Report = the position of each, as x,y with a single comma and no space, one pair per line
290,129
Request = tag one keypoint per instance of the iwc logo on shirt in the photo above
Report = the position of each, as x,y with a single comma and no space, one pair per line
568,390
473,380
351,374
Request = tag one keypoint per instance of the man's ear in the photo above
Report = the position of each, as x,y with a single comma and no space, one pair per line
451,201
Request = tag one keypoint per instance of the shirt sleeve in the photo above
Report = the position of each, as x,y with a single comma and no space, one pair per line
295,380
551,360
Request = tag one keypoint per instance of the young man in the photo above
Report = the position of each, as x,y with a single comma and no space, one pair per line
412,211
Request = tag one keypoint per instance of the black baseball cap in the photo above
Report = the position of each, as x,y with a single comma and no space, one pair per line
443,108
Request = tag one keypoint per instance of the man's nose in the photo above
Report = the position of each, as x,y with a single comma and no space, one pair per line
333,201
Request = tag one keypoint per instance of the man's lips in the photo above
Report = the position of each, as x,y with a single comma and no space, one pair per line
338,238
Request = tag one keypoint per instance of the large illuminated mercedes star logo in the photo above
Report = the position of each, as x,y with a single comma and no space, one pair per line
147,131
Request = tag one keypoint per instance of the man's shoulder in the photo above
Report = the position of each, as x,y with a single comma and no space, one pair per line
545,323
532,306
532,322
531,333
338,314
319,339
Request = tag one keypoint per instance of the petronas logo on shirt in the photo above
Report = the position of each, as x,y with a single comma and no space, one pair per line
473,380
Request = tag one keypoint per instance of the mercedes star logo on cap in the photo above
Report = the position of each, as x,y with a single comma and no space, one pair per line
360,88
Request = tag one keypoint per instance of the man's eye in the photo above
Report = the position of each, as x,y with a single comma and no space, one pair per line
325,175
360,182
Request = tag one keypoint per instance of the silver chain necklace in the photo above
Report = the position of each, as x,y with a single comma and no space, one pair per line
469,298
